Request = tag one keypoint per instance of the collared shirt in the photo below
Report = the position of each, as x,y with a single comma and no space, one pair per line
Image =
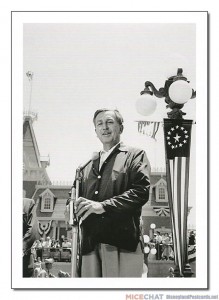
104,154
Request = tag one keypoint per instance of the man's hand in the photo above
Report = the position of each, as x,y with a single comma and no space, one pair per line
85,207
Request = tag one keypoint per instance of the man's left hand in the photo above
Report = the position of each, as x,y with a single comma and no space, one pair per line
85,207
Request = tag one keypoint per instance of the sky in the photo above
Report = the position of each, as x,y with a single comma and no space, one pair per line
79,68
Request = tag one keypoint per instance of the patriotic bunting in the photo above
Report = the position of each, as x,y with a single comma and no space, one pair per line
162,211
177,135
191,254
44,228
148,128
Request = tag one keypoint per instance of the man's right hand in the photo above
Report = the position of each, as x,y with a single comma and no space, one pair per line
84,207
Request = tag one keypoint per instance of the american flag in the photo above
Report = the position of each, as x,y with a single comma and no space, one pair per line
177,135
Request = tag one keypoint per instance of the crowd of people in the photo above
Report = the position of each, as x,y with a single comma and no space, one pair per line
46,243
163,243
35,266
44,272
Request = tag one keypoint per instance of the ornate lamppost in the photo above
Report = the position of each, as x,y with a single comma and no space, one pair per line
177,138
148,248
152,228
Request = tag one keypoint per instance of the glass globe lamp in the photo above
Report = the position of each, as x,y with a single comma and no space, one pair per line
153,226
180,91
146,249
153,251
146,104
146,239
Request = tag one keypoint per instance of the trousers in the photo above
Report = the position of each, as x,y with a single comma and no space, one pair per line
110,261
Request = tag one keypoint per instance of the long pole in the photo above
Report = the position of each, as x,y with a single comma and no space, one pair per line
74,223
30,78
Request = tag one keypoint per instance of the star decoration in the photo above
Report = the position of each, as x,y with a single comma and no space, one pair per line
177,137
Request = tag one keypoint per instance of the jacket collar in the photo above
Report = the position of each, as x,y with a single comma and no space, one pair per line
121,147
96,155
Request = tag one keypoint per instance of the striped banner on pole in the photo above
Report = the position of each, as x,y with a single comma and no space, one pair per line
177,135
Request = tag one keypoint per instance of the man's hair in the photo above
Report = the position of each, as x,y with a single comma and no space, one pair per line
119,117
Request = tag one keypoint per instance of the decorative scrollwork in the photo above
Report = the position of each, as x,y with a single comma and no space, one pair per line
176,112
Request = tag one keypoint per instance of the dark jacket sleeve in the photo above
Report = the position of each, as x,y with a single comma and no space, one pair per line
139,184
30,233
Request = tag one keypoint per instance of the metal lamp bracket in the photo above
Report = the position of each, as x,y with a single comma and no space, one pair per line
175,112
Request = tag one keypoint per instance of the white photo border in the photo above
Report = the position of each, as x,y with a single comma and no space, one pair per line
200,19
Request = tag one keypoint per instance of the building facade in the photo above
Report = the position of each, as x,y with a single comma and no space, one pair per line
50,200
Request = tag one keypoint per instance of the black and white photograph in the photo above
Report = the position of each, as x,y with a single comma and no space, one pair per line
110,120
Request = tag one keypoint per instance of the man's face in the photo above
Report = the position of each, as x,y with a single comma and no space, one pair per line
108,129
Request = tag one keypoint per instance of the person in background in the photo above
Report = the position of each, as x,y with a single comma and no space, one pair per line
43,274
34,249
66,244
191,238
61,240
171,272
53,242
166,247
30,234
37,267
158,245
57,245
47,243
39,248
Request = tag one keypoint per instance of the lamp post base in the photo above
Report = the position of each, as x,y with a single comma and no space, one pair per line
187,271
177,272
